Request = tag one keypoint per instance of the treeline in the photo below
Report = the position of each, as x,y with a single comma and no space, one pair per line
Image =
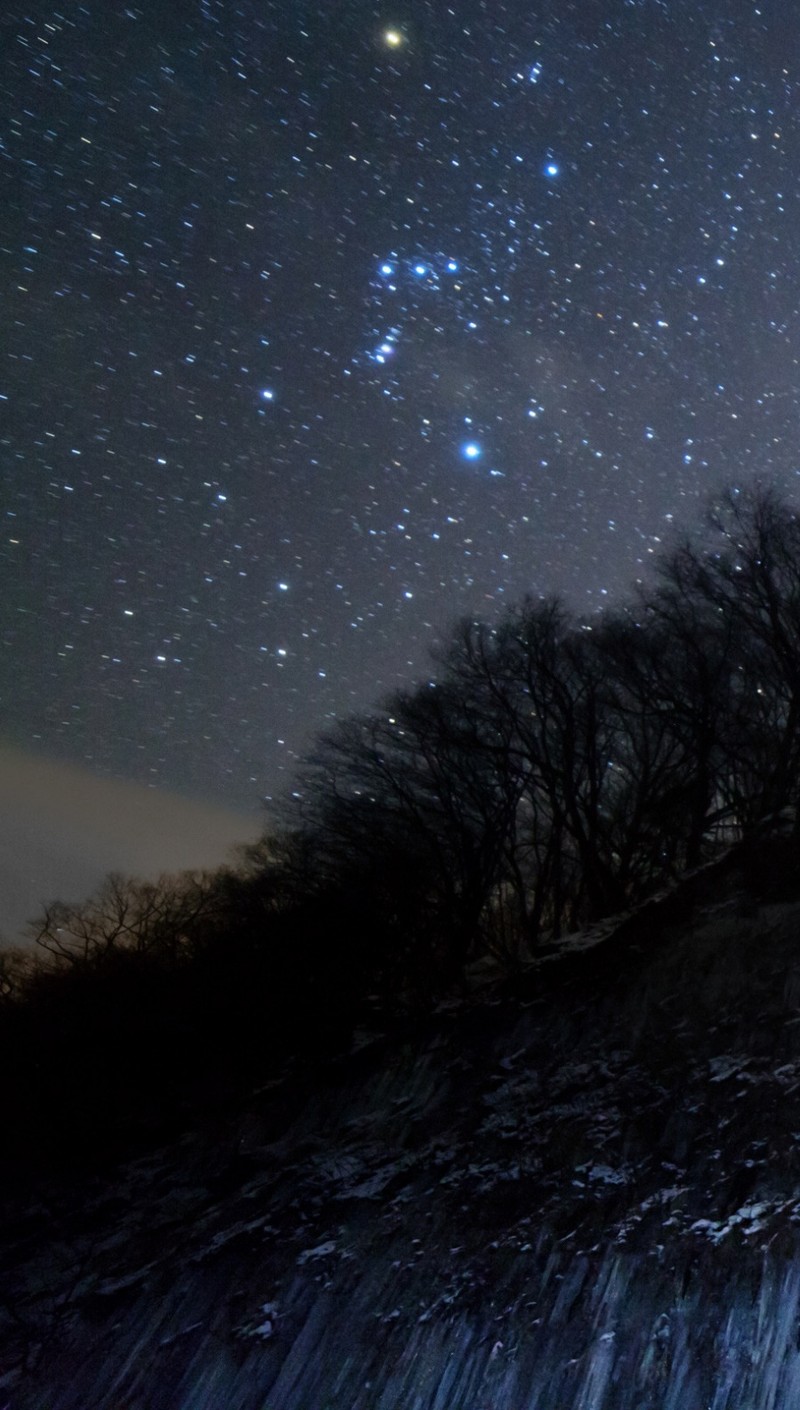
152,1004
554,771
557,770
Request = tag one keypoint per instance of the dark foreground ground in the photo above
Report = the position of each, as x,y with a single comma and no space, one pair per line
580,1191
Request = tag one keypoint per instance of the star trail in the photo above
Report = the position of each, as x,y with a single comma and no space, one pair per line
327,324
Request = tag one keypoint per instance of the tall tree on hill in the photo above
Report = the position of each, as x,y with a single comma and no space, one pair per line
404,802
541,678
743,581
669,664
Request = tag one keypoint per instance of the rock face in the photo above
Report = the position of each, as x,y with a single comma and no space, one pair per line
576,1191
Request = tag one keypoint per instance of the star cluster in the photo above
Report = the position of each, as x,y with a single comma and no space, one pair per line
327,324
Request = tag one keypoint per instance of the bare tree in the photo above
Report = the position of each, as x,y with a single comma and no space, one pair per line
407,796
742,580
126,915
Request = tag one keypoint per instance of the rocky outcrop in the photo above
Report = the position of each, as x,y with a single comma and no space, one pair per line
579,1190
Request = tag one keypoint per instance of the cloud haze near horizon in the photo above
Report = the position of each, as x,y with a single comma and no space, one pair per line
62,829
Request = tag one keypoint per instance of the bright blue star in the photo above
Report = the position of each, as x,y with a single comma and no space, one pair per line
552,169
268,394
471,450
387,269
420,269
452,266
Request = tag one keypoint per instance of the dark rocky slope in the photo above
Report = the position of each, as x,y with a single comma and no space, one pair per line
576,1191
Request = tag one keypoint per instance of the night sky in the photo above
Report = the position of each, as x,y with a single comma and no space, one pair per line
324,324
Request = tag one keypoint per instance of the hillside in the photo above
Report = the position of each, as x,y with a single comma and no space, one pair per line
577,1189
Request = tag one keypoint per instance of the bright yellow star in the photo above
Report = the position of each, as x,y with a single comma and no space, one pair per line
393,38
